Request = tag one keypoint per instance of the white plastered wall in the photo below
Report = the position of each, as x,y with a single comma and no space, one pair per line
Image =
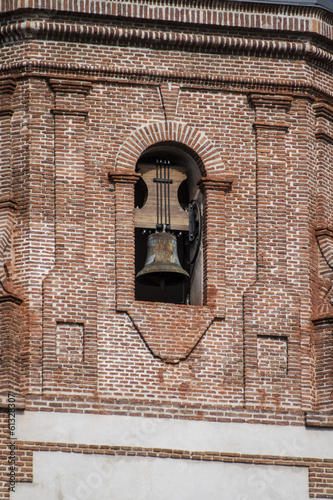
74,476
69,476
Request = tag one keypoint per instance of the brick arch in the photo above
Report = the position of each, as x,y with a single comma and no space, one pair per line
185,137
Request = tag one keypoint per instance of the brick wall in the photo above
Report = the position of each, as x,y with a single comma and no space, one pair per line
236,89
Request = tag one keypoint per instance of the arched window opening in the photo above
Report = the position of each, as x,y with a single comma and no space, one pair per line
168,228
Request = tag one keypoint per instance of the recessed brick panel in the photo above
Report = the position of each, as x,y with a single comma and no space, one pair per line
272,356
70,342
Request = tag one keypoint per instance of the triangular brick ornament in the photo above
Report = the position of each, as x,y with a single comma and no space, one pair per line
169,96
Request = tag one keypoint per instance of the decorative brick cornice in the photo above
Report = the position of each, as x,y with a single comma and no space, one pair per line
323,110
278,101
324,121
71,112
10,298
261,125
198,81
326,318
270,111
124,177
8,203
324,232
72,31
230,14
320,135
215,184
6,112
7,86
75,86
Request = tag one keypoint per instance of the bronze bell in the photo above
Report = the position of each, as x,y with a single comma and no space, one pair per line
162,267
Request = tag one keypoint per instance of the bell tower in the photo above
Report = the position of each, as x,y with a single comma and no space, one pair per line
166,249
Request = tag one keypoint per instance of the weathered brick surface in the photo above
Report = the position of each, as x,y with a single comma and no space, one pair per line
236,89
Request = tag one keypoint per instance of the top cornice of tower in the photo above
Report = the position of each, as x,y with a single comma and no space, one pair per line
165,8
311,17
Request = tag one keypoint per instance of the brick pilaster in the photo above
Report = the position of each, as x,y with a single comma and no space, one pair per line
69,292
7,204
214,192
124,229
323,293
10,302
271,305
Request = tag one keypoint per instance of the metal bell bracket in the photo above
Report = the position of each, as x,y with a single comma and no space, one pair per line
195,230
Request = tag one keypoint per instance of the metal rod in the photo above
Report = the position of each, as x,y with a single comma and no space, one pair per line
163,206
163,174
157,197
169,218
161,191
